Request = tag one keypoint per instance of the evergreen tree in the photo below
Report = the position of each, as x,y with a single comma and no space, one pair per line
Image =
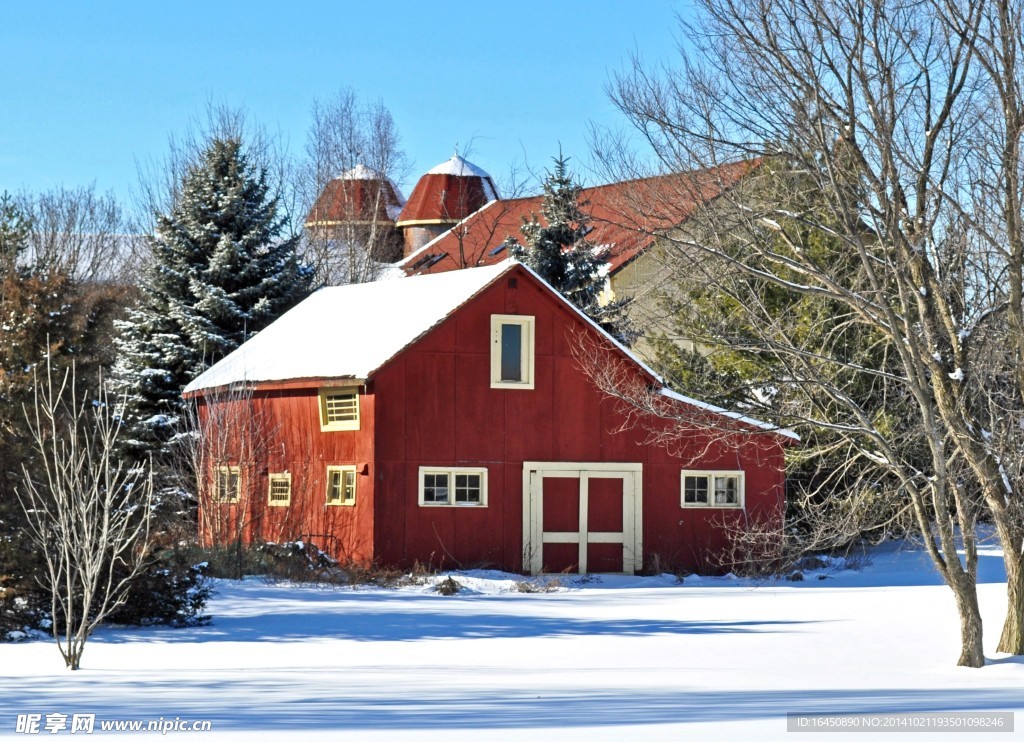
15,228
559,252
219,273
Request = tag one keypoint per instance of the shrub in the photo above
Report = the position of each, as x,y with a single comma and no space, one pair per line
448,586
171,591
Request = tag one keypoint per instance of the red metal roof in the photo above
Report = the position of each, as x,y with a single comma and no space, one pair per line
354,198
625,216
449,192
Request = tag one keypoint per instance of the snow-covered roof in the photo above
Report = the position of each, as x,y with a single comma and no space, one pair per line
379,320
447,193
364,172
458,165
357,195
361,172
753,422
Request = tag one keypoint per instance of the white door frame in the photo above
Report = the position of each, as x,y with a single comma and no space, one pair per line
534,536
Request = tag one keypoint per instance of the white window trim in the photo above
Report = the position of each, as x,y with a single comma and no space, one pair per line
287,477
710,474
217,495
326,426
451,471
528,323
355,486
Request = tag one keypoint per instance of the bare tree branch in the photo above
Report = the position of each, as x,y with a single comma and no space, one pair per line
88,511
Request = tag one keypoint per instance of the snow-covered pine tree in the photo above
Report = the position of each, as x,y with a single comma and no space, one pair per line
154,362
557,249
219,273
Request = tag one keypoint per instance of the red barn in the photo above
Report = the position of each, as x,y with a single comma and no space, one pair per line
450,419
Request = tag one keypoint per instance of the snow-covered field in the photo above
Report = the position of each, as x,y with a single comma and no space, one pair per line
609,658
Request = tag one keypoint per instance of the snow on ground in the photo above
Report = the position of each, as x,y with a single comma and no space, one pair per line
599,658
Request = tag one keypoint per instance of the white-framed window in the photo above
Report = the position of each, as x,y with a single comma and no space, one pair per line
452,486
339,409
279,489
512,343
227,484
712,489
341,485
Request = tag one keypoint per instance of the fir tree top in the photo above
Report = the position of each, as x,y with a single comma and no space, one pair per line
14,231
559,252
219,249
219,273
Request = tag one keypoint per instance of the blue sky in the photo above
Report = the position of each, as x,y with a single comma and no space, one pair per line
90,89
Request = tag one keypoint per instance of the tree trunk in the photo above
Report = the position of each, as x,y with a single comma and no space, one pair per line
1011,640
972,654
72,653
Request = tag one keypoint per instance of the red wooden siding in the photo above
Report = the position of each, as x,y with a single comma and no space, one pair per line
283,428
437,409
432,406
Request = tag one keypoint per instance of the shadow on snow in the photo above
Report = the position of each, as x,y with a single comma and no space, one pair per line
355,623
253,705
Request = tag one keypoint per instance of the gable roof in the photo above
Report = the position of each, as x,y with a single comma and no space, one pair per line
303,344
619,223
379,320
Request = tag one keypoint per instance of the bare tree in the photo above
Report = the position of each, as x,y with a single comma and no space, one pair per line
83,234
351,145
87,510
896,130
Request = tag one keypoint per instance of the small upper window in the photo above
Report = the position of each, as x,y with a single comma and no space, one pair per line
455,486
226,485
512,343
341,485
712,489
280,489
339,409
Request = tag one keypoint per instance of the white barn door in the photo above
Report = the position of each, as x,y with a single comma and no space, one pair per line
582,517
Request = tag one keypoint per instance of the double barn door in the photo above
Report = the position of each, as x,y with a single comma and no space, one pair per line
582,517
